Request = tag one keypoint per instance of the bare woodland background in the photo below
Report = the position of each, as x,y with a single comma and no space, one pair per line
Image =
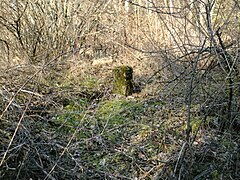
59,119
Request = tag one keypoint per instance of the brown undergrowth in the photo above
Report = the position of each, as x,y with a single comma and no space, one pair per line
74,128
60,120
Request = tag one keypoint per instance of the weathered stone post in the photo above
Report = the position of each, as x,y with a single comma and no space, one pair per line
123,83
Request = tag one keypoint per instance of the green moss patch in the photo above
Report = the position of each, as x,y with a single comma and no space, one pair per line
71,115
118,111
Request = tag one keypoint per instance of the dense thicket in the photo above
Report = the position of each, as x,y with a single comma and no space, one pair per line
59,118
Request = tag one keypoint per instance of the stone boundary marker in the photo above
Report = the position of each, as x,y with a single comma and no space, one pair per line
123,80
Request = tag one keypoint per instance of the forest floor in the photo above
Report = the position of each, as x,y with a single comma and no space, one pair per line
68,125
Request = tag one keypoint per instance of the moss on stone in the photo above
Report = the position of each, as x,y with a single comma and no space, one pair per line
123,83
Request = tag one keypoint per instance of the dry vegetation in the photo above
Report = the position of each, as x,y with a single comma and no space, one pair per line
59,119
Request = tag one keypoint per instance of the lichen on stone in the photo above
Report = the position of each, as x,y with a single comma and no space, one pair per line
123,83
